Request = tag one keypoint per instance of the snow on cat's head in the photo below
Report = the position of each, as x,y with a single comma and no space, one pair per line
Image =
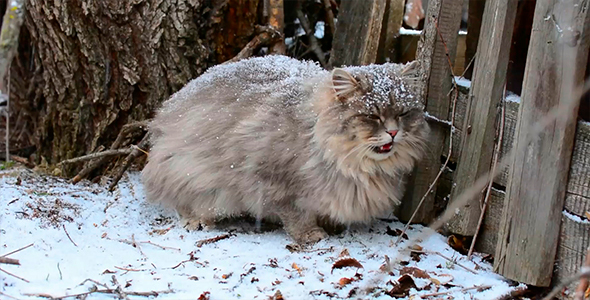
369,120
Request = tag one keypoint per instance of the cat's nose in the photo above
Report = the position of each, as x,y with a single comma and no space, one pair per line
393,133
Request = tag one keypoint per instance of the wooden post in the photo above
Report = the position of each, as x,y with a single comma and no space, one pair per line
486,91
530,225
356,40
436,72
474,22
392,22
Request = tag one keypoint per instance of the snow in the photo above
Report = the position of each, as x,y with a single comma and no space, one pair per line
405,31
319,30
512,97
462,81
248,265
575,218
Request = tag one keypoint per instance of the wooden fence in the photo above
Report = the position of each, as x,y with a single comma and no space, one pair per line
535,223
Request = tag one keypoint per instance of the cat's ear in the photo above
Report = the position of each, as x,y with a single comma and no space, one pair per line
343,83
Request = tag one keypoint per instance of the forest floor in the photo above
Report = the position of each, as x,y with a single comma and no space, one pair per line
102,245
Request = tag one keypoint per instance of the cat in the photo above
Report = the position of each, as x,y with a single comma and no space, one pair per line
278,138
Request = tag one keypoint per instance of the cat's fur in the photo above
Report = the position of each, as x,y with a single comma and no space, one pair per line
277,137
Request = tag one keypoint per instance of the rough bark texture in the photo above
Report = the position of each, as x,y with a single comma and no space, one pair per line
87,67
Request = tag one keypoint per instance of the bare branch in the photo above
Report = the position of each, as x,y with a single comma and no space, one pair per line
96,155
314,45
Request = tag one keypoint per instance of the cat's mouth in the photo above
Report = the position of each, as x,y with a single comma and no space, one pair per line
383,148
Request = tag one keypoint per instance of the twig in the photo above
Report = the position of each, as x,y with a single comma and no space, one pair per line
116,145
136,245
584,273
213,239
329,16
450,151
583,285
468,65
128,269
267,36
104,291
14,275
135,153
18,250
447,258
59,269
96,155
499,134
69,237
477,287
163,247
9,261
314,45
2,294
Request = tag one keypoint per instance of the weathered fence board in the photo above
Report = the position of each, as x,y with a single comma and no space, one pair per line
392,22
359,23
443,15
487,89
529,230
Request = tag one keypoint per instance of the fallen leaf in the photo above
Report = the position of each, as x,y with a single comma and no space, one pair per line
435,281
402,287
204,296
273,263
415,255
277,296
416,247
459,243
195,278
395,232
345,280
160,231
226,276
418,273
346,262
276,282
344,253
107,271
296,267
104,235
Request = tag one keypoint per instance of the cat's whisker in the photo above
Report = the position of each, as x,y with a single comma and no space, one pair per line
357,147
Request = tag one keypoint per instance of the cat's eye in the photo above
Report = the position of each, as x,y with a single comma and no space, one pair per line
374,117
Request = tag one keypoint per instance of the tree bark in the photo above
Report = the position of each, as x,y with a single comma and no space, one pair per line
85,67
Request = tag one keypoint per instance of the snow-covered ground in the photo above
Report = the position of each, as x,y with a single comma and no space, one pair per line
87,240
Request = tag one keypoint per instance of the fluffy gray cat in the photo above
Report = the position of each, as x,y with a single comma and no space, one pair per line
275,137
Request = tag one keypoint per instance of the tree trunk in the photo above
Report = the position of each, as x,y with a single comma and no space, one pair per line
85,67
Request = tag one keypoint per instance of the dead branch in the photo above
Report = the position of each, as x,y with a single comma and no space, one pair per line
17,277
276,19
22,160
313,42
213,239
135,153
18,250
69,237
128,269
162,247
127,128
9,261
499,136
8,296
450,151
477,287
583,274
583,285
96,155
104,291
329,16
267,36
447,258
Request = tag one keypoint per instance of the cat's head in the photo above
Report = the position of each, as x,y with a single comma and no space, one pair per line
370,119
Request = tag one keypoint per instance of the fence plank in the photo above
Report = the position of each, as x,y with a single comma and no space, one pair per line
529,231
392,22
485,95
356,39
436,72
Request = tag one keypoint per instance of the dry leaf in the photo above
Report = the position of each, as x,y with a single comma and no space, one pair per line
226,276
296,267
345,280
104,235
277,296
402,287
418,273
416,247
344,253
346,262
459,243
195,278
107,271
254,279
435,281
395,232
204,296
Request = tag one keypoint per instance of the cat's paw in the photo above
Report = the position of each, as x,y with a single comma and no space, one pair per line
197,224
310,236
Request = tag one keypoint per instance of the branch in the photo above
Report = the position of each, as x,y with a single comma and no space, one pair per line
477,287
69,237
14,275
9,261
18,250
267,36
314,46
135,153
329,16
96,155
447,258
277,20
450,151
213,239
499,135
